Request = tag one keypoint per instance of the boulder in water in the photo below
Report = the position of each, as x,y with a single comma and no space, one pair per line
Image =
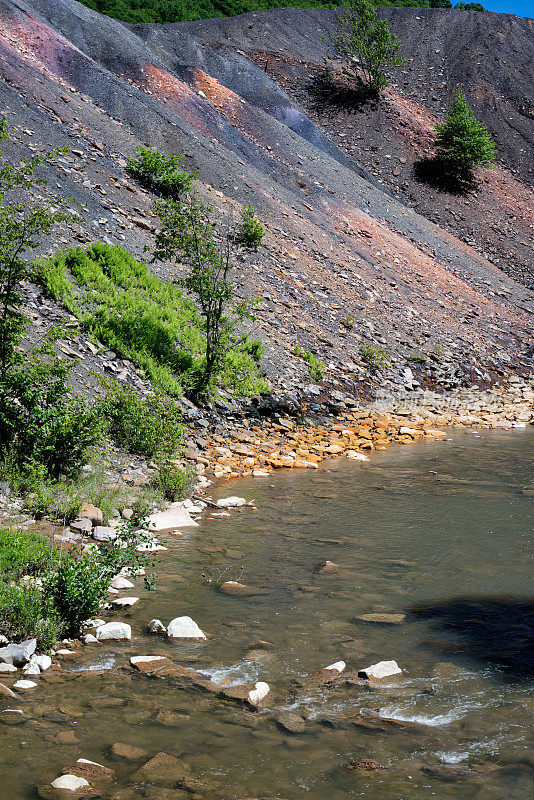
184,628
380,670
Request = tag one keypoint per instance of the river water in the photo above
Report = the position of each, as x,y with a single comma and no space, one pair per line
440,532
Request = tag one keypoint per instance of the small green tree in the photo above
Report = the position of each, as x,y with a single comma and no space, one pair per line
366,43
43,430
251,231
188,237
462,142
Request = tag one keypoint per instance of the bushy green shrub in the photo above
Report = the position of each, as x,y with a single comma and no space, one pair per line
23,553
417,356
317,369
251,231
241,374
160,173
150,426
173,482
77,588
26,611
373,357
132,312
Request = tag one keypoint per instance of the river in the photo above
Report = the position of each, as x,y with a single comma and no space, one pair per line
440,532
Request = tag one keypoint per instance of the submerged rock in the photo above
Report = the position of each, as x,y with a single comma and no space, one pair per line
290,722
163,769
383,619
127,751
184,628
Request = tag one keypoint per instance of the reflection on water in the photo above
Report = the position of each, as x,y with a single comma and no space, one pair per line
439,532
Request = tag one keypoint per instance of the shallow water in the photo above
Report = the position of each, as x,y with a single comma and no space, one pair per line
440,531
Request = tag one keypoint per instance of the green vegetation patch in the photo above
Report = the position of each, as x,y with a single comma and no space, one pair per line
135,11
136,314
317,369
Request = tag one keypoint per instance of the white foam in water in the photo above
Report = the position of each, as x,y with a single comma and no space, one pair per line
243,672
423,719
103,663
452,757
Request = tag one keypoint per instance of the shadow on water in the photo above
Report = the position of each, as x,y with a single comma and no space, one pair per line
493,630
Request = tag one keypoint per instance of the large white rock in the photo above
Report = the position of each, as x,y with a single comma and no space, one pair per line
120,582
339,666
113,630
231,502
174,517
156,626
72,782
257,694
44,662
145,659
124,601
383,669
24,686
184,628
7,668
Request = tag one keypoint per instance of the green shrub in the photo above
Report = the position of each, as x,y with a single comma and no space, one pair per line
417,356
241,374
251,231
317,369
132,312
373,357
23,553
347,320
255,348
160,173
26,611
77,588
173,482
149,426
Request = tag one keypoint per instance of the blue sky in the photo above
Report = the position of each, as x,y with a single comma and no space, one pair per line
523,8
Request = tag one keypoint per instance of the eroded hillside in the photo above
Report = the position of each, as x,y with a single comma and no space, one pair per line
231,95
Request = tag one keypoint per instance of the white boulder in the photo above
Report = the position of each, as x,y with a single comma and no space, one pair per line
184,628
44,662
120,582
114,630
145,659
175,517
156,626
382,669
256,695
71,782
24,686
339,666
124,601
231,502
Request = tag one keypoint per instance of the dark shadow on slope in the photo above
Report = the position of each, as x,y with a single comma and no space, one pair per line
341,92
434,173
493,630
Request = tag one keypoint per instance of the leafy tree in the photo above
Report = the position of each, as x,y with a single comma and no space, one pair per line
462,142
44,431
365,42
188,237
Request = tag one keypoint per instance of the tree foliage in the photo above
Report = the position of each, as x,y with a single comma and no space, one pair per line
366,44
188,237
462,142
42,428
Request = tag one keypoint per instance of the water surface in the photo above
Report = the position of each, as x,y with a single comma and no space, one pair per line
440,532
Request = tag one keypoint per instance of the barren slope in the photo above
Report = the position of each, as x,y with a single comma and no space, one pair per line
337,243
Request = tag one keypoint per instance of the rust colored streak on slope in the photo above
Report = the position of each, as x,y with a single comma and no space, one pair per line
397,254
43,47
174,93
